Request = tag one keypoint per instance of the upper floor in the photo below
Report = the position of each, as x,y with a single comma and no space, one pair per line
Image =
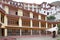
43,8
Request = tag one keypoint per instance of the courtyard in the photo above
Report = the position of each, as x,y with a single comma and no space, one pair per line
34,37
39,38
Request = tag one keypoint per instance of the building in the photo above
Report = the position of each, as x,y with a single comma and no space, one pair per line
15,20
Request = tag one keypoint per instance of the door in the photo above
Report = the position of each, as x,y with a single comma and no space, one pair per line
2,31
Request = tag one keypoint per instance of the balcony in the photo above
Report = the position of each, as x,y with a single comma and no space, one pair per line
35,24
14,21
25,23
42,17
35,16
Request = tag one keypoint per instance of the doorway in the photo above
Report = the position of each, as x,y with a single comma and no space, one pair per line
2,32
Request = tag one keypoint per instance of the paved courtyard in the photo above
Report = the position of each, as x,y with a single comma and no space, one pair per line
38,38
35,37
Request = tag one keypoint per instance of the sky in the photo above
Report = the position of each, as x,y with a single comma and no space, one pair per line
36,1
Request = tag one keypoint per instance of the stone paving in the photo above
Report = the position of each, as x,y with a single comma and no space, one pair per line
33,37
38,38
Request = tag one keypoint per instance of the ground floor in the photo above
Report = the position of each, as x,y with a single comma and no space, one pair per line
33,37
21,32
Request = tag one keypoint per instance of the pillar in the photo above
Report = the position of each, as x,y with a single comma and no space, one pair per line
20,22
5,34
39,24
20,32
45,18
31,24
31,15
39,17
31,31
5,20
57,30
52,25
46,27
6,9
39,27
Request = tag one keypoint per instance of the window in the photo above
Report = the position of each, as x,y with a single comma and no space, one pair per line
2,18
36,24
35,32
10,2
25,23
47,13
35,16
13,22
44,11
26,14
26,32
13,32
16,13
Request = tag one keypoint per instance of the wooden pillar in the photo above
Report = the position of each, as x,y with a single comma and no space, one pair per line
39,17
31,31
56,30
39,27
5,20
46,27
31,15
20,22
20,32
31,24
6,9
5,32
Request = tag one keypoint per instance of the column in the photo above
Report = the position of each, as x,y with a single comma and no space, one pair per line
39,24
5,20
39,17
31,24
39,27
6,9
31,15
57,30
31,31
52,25
46,27
20,32
45,18
5,34
20,22
20,12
